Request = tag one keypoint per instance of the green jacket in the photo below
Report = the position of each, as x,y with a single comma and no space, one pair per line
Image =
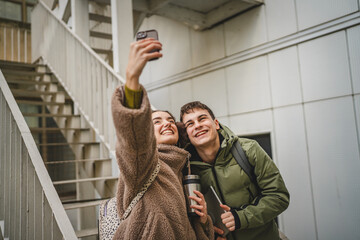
254,211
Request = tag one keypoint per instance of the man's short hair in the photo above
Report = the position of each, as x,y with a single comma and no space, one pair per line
187,108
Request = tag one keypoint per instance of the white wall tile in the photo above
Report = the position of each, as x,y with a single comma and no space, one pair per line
354,52
311,13
210,89
252,123
280,25
357,114
324,67
180,94
293,164
160,98
224,120
245,31
335,165
207,46
176,48
285,77
248,86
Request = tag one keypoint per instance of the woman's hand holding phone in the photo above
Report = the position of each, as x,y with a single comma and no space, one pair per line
140,53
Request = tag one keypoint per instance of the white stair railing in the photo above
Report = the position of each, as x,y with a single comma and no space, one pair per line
89,80
30,208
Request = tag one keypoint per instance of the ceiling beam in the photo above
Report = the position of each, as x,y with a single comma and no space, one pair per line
155,5
187,16
226,11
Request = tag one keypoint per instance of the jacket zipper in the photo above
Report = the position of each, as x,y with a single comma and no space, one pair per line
251,194
217,185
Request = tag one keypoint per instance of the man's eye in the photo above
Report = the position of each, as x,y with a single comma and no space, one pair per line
188,125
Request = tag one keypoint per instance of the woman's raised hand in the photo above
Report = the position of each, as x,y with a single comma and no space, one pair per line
200,209
140,53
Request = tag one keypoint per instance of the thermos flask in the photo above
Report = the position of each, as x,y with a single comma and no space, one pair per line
191,183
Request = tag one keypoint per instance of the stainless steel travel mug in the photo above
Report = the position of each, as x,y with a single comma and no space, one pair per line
191,183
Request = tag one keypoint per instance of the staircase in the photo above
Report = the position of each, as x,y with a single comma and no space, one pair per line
78,164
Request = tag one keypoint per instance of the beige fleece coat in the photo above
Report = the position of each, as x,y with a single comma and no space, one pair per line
161,213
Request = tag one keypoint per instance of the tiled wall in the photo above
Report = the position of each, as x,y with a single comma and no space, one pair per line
306,94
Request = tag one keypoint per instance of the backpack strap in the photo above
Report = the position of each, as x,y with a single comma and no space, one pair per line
240,156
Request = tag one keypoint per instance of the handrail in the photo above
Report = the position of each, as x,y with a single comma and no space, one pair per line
88,79
29,204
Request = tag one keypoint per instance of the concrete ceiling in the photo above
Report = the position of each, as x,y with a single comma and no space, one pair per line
199,14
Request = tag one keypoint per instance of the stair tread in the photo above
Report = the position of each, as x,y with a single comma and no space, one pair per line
78,160
29,82
33,92
68,206
39,129
23,73
87,232
19,64
66,143
39,102
49,115
84,180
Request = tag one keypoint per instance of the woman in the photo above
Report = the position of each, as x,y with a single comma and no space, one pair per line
145,141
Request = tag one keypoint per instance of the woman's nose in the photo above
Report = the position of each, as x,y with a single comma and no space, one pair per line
167,123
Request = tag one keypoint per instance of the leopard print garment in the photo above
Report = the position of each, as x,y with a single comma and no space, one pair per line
109,220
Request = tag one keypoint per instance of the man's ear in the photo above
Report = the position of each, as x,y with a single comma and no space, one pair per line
217,124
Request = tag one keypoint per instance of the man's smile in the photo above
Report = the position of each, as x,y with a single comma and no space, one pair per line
200,133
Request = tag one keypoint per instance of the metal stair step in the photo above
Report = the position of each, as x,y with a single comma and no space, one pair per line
39,129
67,143
23,73
78,160
84,180
27,93
87,232
100,35
82,204
10,64
49,115
99,18
38,102
29,82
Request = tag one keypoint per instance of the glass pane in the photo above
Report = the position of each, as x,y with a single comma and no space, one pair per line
12,11
28,14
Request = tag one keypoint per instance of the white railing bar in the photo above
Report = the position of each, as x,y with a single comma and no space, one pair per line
35,158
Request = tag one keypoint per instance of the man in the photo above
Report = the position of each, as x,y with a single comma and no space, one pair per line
251,209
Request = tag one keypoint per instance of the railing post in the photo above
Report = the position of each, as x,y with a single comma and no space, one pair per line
2,155
6,174
17,184
31,204
12,192
24,214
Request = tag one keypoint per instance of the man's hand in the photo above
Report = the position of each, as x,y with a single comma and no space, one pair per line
228,218
139,55
201,208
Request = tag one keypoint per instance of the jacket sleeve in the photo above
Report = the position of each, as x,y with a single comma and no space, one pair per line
136,145
273,198
203,231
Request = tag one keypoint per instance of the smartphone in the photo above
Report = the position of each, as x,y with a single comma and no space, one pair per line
148,34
